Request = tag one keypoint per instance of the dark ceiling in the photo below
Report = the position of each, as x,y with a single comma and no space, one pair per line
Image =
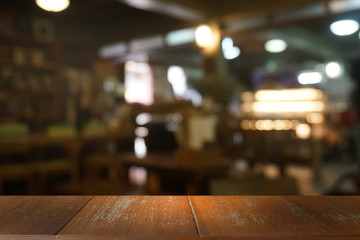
89,24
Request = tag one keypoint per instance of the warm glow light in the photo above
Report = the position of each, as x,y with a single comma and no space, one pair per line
287,125
245,124
333,69
344,27
281,107
294,123
275,45
53,5
315,118
279,125
303,131
203,36
310,77
246,107
247,96
252,125
258,124
269,125
288,95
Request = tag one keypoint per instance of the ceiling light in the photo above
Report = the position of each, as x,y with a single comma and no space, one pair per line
333,69
310,77
228,48
231,53
203,36
227,43
53,5
275,45
344,27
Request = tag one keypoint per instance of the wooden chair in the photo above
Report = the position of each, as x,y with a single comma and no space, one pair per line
56,157
15,164
101,160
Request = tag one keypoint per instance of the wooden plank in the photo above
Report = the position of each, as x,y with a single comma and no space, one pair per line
18,237
37,215
168,238
199,238
252,216
129,238
9,203
340,213
134,216
14,237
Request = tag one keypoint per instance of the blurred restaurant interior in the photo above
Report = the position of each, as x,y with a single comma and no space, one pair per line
173,97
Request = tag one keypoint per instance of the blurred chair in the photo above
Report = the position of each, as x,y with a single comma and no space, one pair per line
57,156
101,159
246,144
15,157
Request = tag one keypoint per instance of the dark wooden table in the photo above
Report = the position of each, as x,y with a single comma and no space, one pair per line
164,169
179,217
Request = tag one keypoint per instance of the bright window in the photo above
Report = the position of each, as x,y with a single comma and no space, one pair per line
138,83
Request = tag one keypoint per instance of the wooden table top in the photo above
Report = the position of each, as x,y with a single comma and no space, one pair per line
180,217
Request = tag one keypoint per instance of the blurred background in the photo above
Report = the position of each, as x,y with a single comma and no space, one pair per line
174,97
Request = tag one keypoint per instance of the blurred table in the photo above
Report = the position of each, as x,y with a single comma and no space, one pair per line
166,174
34,148
179,217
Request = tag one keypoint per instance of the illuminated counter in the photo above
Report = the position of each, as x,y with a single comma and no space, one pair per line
179,217
287,124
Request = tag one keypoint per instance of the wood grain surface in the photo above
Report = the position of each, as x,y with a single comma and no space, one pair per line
253,216
170,238
35,215
340,214
198,238
179,217
134,216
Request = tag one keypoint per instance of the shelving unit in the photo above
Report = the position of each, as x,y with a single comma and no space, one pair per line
31,84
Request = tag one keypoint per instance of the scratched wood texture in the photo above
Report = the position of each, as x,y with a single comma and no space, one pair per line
341,214
134,216
253,216
198,238
169,238
37,215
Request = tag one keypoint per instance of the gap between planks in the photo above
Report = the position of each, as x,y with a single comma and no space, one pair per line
74,215
194,216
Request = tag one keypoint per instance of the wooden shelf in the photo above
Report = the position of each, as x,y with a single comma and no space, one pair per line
28,67
27,92
29,85
13,39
